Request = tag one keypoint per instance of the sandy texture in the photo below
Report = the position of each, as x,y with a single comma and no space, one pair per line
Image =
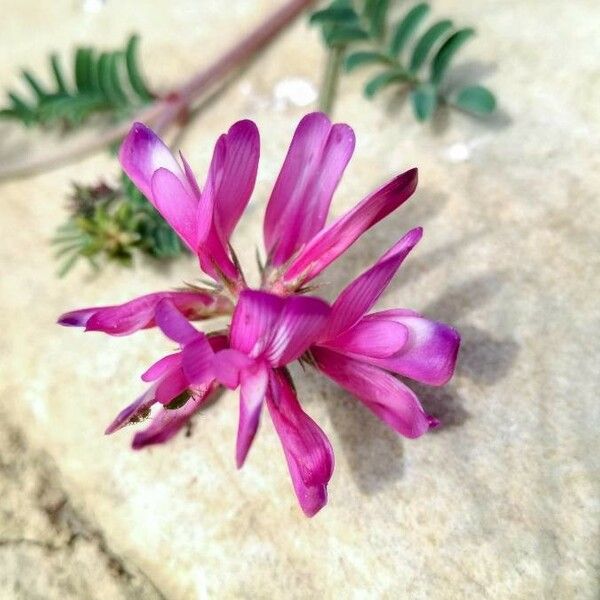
501,502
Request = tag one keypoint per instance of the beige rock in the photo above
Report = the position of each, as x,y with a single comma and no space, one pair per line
502,502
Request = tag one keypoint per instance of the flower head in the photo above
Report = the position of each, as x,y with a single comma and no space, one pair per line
277,324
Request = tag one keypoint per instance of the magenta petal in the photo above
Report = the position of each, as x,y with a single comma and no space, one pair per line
233,174
161,367
78,318
197,360
171,385
254,319
134,410
312,169
228,365
430,353
173,324
307,450
252,393
332,241
142,153
189,175
168,422
377,339
301,321
384,394
123,319
214,257
281,329
358,297
175,203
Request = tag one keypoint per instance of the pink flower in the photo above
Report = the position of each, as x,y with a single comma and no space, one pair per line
182,381
299,245
267,333
204,220
278,324
360,352
123,319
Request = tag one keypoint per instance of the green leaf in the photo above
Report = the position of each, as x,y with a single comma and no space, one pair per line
83,69
358,59
426,43
449,48
68,264
476,99
375,12
108,77
424,101
334,14
384,79
35,85
340,36
407,26
135,78
58,74
19,109
108,82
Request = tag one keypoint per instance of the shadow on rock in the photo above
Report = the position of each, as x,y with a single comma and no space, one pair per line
483,358
443,403
374,451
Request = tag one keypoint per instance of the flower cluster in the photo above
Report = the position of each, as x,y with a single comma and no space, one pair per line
280,322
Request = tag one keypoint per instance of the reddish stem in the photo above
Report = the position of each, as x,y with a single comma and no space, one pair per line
162,113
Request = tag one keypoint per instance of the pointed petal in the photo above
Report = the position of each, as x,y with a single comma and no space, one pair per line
252,393
377,339
233,174
142,153
312,169
173,324
332,241
384,394
123,319
364,291
178,208
431,350
254,320
214,257
167,422
189,175
307,450
197,361
135,411
228,366
228,188
80,317
301,321
161,367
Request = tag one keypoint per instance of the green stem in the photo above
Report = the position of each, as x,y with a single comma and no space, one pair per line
330,81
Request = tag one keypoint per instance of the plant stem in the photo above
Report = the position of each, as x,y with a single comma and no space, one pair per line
331,78
165,111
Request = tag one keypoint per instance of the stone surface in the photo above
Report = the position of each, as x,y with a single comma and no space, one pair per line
501,502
